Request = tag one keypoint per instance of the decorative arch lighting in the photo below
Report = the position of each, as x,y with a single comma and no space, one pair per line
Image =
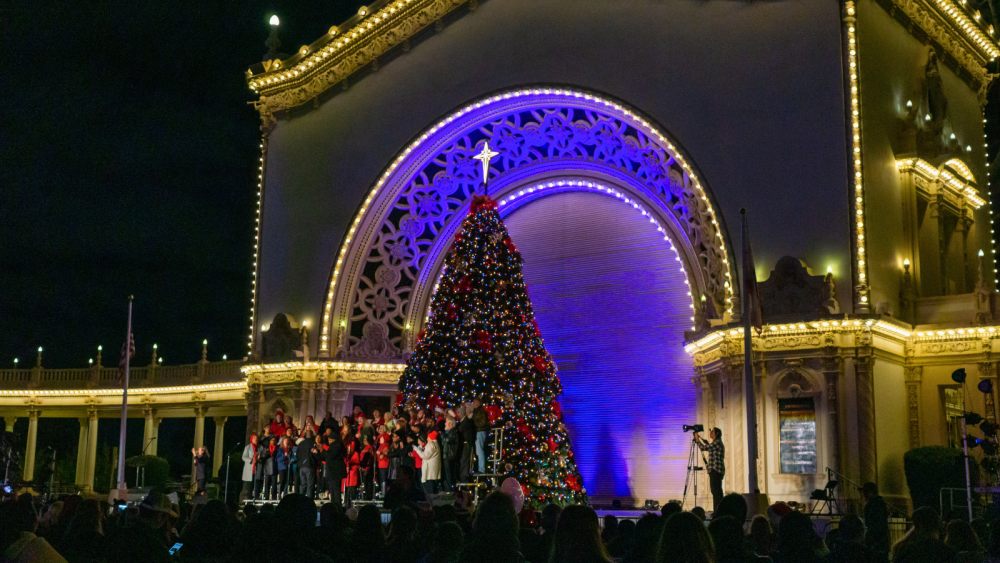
470,118
597,187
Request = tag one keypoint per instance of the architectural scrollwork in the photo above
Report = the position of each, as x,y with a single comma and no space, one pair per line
331,70
943,33
548,130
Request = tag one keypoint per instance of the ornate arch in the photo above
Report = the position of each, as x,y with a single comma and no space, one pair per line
391,252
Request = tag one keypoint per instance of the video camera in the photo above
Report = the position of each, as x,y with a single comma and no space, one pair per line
694,428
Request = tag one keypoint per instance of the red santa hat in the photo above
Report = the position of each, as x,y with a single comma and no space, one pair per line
432,435
279,413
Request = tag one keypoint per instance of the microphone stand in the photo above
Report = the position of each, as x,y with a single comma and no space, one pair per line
228,457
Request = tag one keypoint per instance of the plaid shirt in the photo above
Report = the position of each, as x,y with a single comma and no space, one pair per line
716,452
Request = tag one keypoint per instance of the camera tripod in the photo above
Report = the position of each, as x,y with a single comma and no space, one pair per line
691,479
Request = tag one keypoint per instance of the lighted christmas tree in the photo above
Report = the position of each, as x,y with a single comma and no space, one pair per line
481,341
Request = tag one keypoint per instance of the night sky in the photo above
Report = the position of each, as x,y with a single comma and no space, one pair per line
128,157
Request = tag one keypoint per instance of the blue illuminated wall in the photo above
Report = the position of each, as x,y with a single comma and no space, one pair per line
612,306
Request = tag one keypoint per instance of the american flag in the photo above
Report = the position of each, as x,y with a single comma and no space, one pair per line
130,347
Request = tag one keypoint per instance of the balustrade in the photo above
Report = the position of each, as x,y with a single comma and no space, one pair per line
107,377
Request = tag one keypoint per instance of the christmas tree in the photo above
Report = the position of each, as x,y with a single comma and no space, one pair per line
481,341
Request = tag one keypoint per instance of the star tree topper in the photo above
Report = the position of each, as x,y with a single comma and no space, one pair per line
485,156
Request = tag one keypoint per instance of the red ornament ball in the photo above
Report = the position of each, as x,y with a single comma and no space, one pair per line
540,364
556,408
492,412
573,483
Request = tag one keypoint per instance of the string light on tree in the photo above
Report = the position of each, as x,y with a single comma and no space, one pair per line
481,341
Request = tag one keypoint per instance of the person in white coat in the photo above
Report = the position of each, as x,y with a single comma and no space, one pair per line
249,454
427,449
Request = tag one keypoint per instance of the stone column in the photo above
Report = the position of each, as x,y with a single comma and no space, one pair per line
338,401
81,452
9,422
321,406
310,404
149,431
833,366
29,451
912,375
153,448
220,425
199,432
735,464
253,411
88,475
867,460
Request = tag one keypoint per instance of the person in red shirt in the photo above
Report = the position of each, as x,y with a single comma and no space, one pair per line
350,484
278,425
383,460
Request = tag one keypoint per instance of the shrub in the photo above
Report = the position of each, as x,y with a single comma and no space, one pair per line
157,469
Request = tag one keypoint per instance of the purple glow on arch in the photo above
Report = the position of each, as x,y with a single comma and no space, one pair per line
613,308
540,133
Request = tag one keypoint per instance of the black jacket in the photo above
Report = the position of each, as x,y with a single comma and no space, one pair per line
200,464
449,443
467,430
406,458
303,453
334,459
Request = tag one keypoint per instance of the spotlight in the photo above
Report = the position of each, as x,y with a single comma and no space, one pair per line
958,376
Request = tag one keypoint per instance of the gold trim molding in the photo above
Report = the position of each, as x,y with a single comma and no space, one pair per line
947,25
317,67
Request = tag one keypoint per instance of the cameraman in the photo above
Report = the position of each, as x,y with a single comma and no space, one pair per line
716,464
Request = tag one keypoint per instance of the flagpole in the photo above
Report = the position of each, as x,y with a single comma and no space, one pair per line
122,491
751,403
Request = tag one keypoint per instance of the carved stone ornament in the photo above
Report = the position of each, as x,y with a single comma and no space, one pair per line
928,19
792,294
279,341
423,197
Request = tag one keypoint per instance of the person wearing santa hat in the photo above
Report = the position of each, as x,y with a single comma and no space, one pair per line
278,425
